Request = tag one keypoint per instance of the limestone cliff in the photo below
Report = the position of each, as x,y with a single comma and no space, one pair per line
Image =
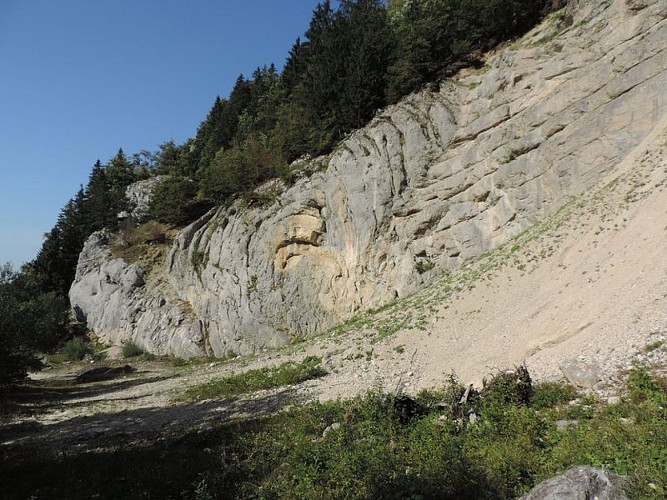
441,177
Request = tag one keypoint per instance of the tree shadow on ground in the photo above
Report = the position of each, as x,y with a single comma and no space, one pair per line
37,397
138,451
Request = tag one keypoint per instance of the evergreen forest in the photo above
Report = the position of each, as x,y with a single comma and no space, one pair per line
353,60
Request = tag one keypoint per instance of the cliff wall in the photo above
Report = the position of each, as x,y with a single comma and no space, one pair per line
441,177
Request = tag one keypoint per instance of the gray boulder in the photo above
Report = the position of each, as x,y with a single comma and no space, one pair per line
581,373
580,483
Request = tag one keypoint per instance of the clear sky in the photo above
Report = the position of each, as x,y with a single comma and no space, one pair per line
81,78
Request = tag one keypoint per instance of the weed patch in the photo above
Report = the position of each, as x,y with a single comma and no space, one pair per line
132,350
255,380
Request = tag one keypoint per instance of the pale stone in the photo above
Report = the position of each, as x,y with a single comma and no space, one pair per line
566,425
581,483
580,373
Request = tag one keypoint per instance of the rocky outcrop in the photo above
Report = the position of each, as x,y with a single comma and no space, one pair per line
139,197
439,178
114,300
580,373
581,483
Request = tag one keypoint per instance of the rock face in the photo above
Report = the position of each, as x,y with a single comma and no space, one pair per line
439,178
139,197
115,301
580,483
580,373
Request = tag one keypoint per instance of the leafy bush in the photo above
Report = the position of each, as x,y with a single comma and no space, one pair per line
550,394
642,386
30,321
511,387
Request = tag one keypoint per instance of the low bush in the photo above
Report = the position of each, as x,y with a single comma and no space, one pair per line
76,349
132,350
178,362
550,394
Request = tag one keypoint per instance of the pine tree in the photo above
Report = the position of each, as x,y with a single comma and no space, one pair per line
260,114
168,159
100,206
174,200
367,57
219,128
55,264
120,174
295,67
346,59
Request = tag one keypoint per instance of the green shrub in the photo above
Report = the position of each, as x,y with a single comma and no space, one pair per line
512,387
76,349
132,350
30,321
550,394
198,260
424,266
175,201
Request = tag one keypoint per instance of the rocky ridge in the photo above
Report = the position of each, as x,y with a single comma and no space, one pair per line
432,182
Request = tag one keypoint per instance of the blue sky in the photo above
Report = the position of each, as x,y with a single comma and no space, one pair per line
81,78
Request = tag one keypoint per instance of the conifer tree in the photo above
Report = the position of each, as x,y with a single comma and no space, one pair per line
347,54
120,174
100,207
168,159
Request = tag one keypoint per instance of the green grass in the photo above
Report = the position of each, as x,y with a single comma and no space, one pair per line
384,447
255,380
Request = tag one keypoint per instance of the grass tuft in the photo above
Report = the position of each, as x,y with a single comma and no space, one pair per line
132,350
